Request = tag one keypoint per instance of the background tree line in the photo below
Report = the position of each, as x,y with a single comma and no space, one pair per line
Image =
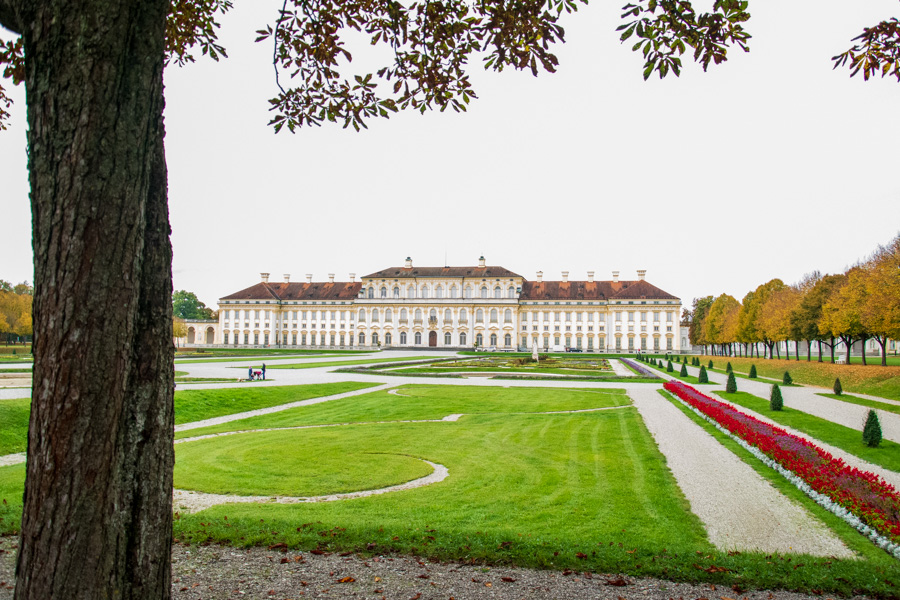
861,304
15,311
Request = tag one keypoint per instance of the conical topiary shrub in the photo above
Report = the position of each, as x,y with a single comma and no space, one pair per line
728,368
669,367
838,390
872,430
786,380
776,402
752,371
731,384
702,378
684,372
710,365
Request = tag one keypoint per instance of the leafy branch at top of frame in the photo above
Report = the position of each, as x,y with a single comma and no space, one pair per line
878,50
666,29
430,45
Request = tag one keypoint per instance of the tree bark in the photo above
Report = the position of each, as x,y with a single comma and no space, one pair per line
97,519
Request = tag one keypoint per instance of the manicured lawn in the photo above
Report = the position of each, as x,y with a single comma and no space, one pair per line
310,463
342,363
425,402
197,405
887,455
872,379
14,425
865,402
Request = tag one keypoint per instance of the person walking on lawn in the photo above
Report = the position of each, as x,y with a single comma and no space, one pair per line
264,371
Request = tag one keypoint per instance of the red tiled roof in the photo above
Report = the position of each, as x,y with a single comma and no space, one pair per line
398,272
317,290
592,290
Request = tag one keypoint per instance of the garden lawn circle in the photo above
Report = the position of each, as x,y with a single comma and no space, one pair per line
291,463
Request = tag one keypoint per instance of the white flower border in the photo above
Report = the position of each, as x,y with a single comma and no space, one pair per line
821,499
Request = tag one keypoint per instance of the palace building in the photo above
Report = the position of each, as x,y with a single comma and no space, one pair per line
448,307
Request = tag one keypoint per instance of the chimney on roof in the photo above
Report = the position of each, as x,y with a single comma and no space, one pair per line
642,274
615,277
565,275
591,276
352,277
481,260
540,276
408,263
309,278
287,277
331,278
264,277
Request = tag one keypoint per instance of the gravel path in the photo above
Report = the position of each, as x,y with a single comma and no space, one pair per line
216,572
620,369
740,509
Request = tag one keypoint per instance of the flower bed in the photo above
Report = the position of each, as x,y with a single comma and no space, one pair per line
644,372
873,504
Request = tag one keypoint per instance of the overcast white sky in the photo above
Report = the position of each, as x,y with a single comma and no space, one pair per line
771,165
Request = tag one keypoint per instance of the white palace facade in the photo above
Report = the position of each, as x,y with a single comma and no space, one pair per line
448,307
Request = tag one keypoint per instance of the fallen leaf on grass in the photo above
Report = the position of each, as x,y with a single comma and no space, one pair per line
279,546
346,580
618,582
507,579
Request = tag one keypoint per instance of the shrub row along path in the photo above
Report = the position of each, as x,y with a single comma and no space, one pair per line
740,509
808,400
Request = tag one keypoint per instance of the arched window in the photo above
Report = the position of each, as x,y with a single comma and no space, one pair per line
462,339
507,316
493,315
418,338
383,292
493,339
388,316
374,315
439,291
484,291
362,339
511,292
362,315
453,291
396,292
419,315
432,314
374,339
403,316
371,292
387,339
479,340
447,339
507,340
448,316
468,291
498,293
402,338
424,291
463,316
479,316
410,292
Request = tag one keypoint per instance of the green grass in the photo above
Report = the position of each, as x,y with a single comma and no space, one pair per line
197,405
12,482
893,408
887,455
322,461
342,363
14,425
424,402
815,570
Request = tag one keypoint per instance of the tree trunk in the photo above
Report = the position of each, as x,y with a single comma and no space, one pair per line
848,343
97,519
832,350
882,341
862,346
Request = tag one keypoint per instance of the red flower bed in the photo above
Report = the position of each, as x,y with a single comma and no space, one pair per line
874,501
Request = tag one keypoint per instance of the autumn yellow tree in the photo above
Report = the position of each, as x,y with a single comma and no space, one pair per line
720,325
880,295
842,313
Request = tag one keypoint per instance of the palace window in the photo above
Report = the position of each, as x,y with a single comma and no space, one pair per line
362,315
418,338
371,292
556,340
332,339
511,292
403,316
568,341
448,316
410,292
447,338
493,315
439,292
225,339
396,292
453,291
383,292
374,339
507,316
294,340
668,343
463,317
402,338
498,293
462,339
418,316
256,339
424,293
656,343
362,339
484,292
479,339
468,291
493,339
302,339
374,315
507,340
479,316
388,316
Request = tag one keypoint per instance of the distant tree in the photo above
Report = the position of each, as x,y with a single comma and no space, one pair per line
752,372
699,311
24,289
778,301
838,390
703,377
710,365
806,319
179,328
880,309
842,313
731,384
5,286
872,430
720,324
186,305
776,402
787,380
728,368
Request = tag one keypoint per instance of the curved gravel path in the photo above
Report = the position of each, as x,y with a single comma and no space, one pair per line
740,509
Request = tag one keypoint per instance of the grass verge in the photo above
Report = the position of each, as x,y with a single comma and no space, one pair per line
892,408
